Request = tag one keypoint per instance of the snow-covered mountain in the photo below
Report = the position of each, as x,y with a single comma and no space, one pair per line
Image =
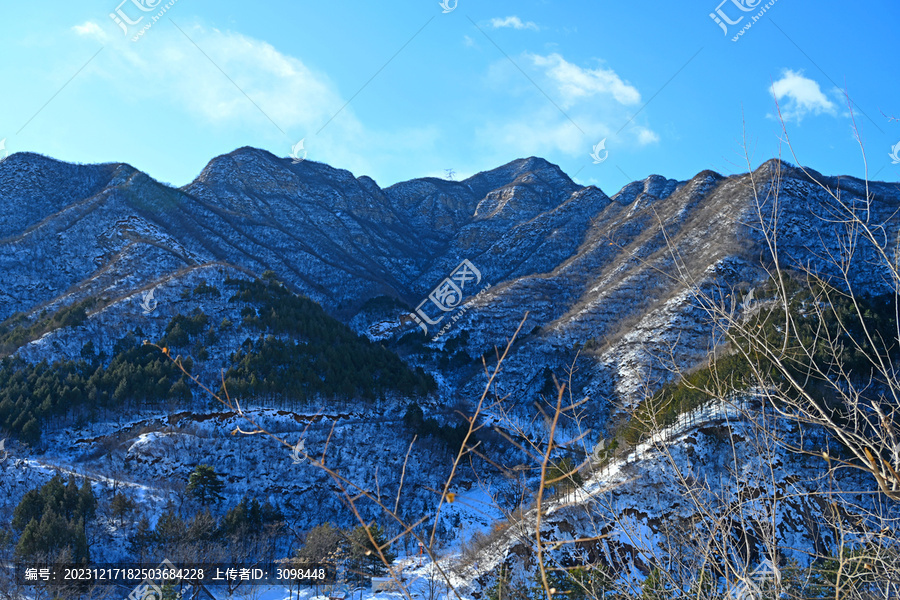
605,283
584,266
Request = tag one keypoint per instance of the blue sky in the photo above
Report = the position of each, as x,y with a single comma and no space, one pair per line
403,89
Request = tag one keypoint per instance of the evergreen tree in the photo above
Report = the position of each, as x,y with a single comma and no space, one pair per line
364,559
89,352
52,537
87,502
29,543
31,432
201,530
414,417
563,476
120,506
170,528
654,586
181,391
140,543
30,508
500,590
204,485
324,543
52,520
235,521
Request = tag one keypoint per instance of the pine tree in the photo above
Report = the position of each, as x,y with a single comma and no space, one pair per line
204,485
120,506
89,352
202,529
30,508
324,543
364,557
31,432
654,587
140,543
170,528
79,544
500,589
87,502
180,391
29,543
52,537
235,521
69,506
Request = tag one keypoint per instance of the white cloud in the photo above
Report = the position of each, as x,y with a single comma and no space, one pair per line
596,104
539,135
165,64
513,22
263,92
799,96
166,71
646,136
575,84
284,88
90,29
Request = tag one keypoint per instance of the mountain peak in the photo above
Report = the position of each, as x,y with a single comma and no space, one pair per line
517,170
653,185
535,165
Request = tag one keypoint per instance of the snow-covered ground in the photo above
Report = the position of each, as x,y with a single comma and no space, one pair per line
149,456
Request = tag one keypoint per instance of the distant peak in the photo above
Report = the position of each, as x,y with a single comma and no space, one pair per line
536,164
776,163
244,154
707,174
653,185
25,157
512,171
20,163
250,151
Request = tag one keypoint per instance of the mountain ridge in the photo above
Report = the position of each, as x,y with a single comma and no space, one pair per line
585,266
604,293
